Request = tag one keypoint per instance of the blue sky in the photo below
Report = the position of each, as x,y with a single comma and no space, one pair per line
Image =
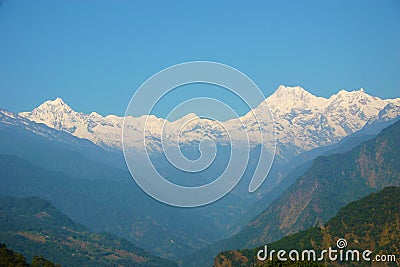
94,54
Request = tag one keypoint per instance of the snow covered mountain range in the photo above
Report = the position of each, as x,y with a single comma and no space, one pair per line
302,121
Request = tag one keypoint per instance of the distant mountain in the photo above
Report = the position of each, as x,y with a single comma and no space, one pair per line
49,147
369,223
329,184
33,226
303,121
309,121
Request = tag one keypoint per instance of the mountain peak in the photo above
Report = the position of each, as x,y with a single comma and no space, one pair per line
55,114
293,92
58,100
343,92
57,104
187,117
303,120
95,114
288,97
290,89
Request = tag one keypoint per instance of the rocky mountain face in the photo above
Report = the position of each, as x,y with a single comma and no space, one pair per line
302,121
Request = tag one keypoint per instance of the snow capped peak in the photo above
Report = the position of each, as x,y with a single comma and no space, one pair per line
54,105
285,98
303,121
295,91
56,102
345,93
54,113
95,114
286,93
187,117
341,92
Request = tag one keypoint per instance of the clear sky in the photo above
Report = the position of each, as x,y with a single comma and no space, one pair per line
94,54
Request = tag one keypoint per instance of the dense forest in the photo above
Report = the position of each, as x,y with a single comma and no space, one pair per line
9,258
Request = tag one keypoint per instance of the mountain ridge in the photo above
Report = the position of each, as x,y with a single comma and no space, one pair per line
302,121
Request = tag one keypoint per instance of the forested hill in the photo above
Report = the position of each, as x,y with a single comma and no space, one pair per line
9,258
33,226
371,223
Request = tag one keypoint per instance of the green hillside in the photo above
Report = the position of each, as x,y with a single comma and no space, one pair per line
33,226
371,223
